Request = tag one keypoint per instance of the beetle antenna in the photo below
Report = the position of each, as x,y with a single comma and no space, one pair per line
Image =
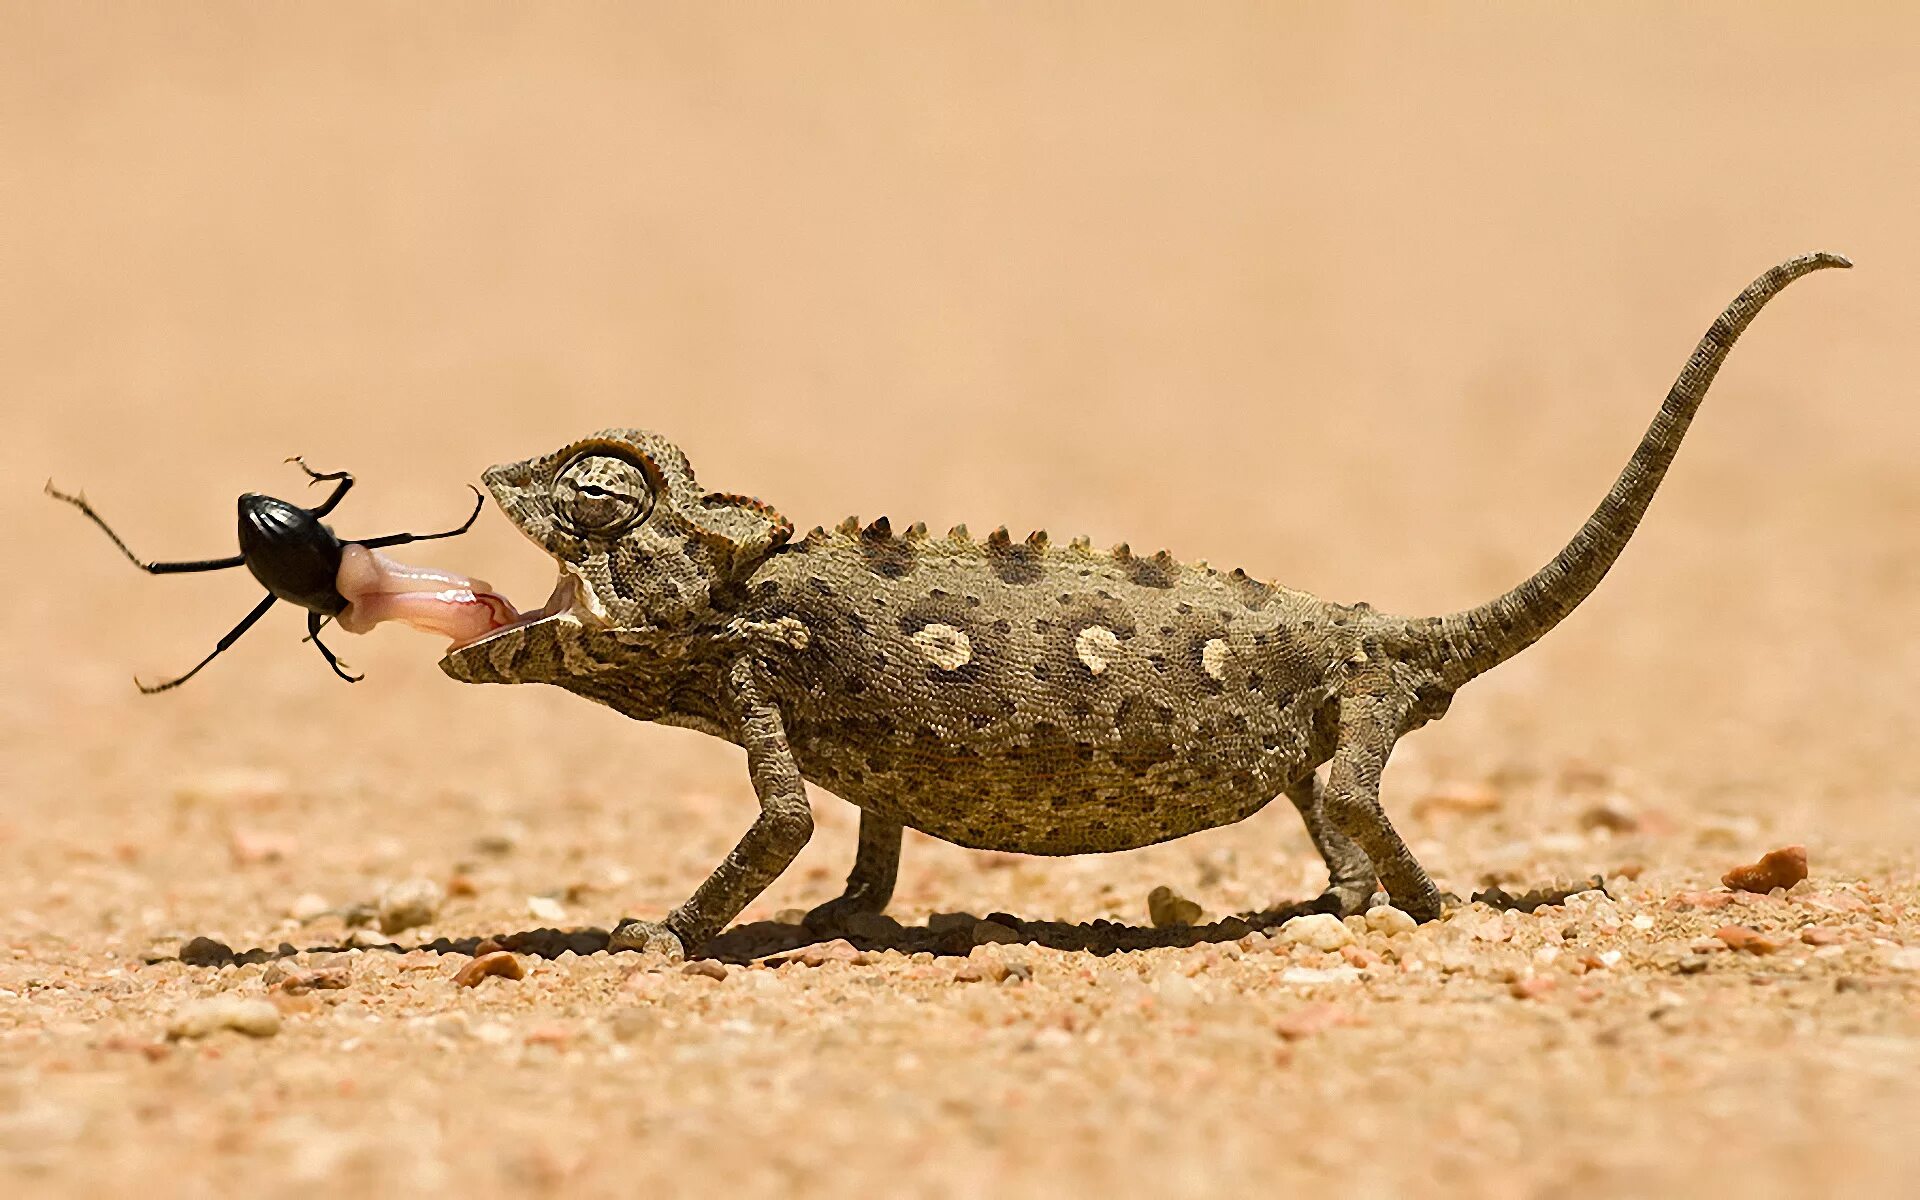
401,539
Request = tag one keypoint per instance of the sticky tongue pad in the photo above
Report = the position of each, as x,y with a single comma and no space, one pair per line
378,589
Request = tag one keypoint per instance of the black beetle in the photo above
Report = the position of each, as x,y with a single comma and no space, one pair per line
289,550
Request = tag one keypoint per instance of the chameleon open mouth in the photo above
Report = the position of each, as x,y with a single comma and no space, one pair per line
466,611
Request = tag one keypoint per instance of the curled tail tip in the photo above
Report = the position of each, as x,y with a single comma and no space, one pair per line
1818,260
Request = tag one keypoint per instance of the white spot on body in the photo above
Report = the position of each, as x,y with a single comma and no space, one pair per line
1213,659
1095,646
945,647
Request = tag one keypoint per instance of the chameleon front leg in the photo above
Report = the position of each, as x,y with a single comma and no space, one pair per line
1350,875
876,864
1373,714
777,836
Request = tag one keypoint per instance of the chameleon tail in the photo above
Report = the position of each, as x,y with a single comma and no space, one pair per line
1472,642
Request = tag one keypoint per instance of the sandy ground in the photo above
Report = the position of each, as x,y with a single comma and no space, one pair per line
1371,303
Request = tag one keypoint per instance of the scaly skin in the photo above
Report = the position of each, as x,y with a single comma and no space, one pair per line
1009,695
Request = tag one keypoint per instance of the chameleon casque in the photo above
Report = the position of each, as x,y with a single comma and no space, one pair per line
1008,694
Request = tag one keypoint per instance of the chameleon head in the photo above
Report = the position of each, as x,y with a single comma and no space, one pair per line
642,549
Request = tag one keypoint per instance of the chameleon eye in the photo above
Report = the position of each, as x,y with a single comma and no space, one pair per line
601,495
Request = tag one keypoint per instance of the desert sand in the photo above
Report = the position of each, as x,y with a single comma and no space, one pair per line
1371,301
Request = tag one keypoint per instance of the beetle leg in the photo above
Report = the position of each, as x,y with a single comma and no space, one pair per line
233,635
151,568
315,623
313,477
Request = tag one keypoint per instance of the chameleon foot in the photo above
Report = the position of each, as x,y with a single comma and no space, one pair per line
648,937
1346,900
832,916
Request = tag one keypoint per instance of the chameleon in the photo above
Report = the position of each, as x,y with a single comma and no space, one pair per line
1003,694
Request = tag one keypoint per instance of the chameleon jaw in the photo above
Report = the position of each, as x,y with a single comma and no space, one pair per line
565,603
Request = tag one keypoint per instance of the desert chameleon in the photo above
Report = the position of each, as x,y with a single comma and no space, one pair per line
1008,694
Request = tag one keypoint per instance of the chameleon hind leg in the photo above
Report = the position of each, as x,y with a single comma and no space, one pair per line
1350,874
1373,714
876,864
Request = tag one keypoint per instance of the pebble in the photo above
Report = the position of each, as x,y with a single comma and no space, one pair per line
299,982
1167,909
993,933
1906,958
546,908
255,1018
500,842
1389,920
1821,935
1613,814
706,968
206,952
1701,900
500,963
985,966
404,905
821,953
879,927
251,847
1322,931
1739,937
1780,868
1534,987
308,906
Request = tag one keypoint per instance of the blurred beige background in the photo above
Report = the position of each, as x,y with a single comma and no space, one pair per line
1371,300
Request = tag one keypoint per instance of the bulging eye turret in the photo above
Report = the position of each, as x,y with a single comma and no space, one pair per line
601,495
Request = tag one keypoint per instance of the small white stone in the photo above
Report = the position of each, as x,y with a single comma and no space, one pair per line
1213,659
546,908
255,1018
1643,922
945,647
308,906
1096,646
1389,920
1322,931
1905,959
403,906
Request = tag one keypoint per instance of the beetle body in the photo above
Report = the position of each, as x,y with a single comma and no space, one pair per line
292,553
288,549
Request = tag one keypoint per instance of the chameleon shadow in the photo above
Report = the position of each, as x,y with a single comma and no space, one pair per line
952,935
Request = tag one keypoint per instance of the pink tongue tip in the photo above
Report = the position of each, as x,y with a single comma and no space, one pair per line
378,589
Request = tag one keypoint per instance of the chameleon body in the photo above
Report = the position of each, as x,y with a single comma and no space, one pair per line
1007,694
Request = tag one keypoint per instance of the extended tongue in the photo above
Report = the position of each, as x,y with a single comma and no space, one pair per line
378,589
